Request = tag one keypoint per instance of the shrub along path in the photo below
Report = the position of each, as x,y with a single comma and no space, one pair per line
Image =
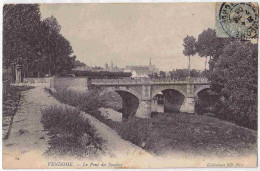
28,138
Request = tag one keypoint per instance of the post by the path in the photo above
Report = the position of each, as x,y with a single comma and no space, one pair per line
18,74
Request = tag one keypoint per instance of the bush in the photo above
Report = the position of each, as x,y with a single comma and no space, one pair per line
70,133
66,119
234,78
87,101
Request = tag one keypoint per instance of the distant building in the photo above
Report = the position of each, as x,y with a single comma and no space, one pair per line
111,68
117,69
137,71
142,71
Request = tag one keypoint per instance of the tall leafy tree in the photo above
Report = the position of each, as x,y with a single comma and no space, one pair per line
233,75
207,44
55,48
234,78
189,47
21,25
36,44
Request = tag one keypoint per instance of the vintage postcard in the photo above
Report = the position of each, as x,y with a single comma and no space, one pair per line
129,85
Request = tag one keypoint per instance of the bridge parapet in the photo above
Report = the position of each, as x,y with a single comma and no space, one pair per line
113,81
139,81
200,80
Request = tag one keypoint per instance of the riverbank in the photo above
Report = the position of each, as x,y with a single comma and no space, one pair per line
202,136
28,140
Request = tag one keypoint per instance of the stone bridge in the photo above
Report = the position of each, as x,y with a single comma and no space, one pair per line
145,92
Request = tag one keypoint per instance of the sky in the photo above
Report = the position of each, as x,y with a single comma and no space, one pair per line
131,34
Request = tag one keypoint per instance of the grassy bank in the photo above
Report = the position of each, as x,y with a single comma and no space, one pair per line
191,134
70,134
173,132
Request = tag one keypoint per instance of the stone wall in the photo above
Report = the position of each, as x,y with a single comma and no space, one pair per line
63,83
36,80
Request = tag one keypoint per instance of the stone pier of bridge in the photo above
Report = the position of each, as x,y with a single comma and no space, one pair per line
149,104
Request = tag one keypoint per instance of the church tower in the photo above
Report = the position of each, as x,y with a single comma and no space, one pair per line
150,64
106,66
111,68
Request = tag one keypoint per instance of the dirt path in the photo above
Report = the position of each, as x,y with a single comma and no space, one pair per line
27,137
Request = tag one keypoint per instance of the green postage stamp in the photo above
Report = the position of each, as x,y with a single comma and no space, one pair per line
237,20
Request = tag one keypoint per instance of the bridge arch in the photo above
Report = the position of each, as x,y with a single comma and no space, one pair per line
204,100
157,91
173,98
114,89
203,87
130,100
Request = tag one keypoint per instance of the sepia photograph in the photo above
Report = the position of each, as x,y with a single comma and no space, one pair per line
123,85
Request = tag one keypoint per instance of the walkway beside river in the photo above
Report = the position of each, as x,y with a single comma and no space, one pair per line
27,141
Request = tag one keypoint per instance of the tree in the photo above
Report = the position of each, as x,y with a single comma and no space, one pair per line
153,75
195,73
79,64
234,78
37,45
189,47
179,73
207,44
233,75
162,74
21,27
52,23
56,49
210,45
